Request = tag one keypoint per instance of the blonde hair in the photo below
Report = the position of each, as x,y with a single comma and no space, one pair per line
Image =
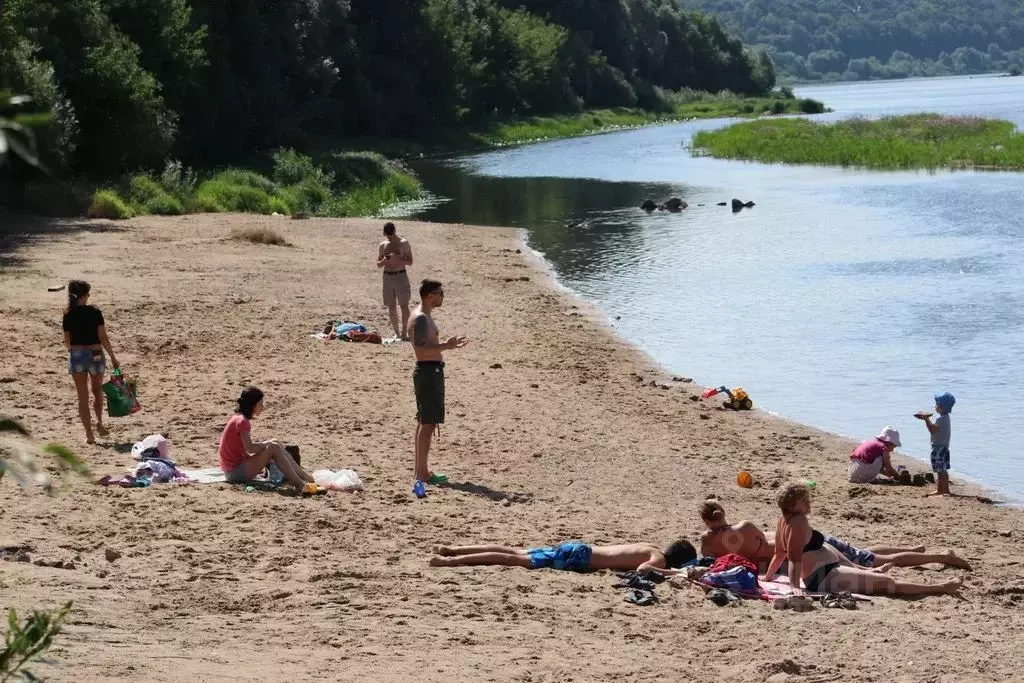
712,511
791,495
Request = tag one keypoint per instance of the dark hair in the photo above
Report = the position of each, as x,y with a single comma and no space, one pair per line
679,553
389,228
428,287
248,400
76,290
791,495
712,511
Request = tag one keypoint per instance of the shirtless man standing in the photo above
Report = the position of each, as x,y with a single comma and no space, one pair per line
394,255
571,556
428,379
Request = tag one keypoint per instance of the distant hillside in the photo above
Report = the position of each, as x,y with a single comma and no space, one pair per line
862,39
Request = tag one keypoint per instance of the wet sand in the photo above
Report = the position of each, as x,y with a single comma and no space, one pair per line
554,431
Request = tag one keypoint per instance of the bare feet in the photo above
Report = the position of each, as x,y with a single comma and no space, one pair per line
884,569
90,439
937,493
954,560
951,587
439,562
443,551
101,430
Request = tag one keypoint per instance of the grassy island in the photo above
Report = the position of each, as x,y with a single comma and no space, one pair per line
926,141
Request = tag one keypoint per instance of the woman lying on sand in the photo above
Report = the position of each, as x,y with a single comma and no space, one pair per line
571,556
822,568
748,540
242,459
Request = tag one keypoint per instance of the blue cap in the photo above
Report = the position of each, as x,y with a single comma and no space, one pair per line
945,401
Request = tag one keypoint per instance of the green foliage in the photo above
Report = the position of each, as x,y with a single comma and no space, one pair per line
841,39
20,455
149,197
915,141
17,135
26,641
109,204
132,83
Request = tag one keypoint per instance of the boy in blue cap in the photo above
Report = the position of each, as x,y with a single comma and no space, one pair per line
940,431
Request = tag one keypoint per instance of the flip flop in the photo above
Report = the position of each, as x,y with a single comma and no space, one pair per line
722,597
635,581
641,597
312,489
436,479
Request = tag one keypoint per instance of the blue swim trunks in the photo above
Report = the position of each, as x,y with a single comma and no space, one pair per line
572,556
940,458
864,558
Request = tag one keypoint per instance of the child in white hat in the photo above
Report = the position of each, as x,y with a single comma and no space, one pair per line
871,457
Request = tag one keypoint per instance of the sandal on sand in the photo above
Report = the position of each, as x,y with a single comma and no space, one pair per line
641,597
797,603
436,479
722,597
839,600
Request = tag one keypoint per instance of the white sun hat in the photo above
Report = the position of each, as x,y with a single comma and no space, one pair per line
890,435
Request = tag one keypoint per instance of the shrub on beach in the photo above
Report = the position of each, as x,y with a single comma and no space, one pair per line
108,204
260,236
149,197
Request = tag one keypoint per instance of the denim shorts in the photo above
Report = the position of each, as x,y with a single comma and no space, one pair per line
87,360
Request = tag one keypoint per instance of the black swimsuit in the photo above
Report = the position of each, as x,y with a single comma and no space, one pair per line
813,581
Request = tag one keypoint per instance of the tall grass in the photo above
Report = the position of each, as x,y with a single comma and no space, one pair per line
680,106
342,184
927,141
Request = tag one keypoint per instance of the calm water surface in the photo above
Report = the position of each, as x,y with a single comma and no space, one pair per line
844,299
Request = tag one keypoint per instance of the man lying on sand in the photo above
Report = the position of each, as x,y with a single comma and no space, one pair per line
571,556
747,540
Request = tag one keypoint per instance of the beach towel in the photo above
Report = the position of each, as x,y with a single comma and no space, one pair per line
209,475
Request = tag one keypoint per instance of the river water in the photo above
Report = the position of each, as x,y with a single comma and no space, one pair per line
844,299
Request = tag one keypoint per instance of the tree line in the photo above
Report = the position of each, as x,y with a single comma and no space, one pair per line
861,39
132,83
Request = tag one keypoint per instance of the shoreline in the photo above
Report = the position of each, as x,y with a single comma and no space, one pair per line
566,439
969,485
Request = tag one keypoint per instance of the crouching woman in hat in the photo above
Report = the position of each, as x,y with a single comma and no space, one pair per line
871,458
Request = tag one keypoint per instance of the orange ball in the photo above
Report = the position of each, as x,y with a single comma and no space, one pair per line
745,479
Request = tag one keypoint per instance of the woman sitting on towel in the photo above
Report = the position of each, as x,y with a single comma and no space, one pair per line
824,569
242,459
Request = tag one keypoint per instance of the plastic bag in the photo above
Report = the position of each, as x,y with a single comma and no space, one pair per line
157,441
340,480
121,399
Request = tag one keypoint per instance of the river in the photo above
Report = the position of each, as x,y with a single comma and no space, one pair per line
844,299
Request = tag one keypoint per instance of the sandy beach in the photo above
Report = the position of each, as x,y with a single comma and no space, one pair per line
554,431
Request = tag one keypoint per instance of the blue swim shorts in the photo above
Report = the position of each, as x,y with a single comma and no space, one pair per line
87,360
864,558
940,459
572,556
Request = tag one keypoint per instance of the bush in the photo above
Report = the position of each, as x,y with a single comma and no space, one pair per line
108,204
244,191
291,168
259,236
809,106
778,107
148,197
178,180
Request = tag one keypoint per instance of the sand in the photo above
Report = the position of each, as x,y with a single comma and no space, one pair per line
565,439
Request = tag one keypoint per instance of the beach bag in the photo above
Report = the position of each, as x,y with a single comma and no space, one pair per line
121,399
738,579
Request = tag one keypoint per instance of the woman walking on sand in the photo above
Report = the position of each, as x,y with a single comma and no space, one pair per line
242,459
824,569
85,336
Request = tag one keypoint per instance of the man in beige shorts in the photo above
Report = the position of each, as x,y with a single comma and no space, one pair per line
394,255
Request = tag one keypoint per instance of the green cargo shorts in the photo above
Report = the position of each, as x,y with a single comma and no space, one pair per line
428,380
